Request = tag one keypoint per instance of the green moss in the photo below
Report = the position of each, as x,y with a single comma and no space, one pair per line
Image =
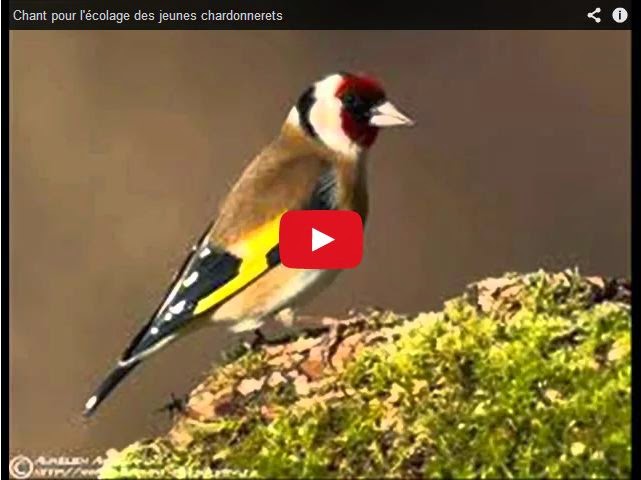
523,376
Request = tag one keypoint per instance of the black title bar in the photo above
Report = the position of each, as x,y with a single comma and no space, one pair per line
317,14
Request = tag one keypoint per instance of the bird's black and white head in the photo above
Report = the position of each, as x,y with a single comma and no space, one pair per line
345,111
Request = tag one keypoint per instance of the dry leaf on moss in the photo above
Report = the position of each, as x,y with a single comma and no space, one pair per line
273,350
510,293
488,289
619,349
395,393
303,344
313,366
341,356
180,437
307,402
268,412
202,404
418,385
248,386
598,282
276,379
390,420
553,395
301,385
353,339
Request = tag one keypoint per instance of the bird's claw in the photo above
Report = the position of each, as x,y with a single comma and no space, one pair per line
177,405
258,341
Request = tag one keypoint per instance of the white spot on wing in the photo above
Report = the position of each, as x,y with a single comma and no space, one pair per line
179,307
204,252
190,279
91,403
171,296
168,316
154,330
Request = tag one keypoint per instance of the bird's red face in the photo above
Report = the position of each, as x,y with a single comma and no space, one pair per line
346,111
359,96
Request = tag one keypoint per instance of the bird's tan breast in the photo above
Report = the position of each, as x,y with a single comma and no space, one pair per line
279,288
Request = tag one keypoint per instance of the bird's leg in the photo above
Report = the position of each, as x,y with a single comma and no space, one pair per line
258,341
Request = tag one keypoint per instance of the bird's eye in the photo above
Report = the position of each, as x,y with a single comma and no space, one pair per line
349,100
356,104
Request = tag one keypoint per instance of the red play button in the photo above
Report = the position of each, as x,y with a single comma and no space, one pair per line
325,239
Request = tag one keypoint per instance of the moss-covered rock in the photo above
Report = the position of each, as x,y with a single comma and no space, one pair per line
521,376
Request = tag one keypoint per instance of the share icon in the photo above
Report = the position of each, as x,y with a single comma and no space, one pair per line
593,15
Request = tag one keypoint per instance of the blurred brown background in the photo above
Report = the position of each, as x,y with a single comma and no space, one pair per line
123,143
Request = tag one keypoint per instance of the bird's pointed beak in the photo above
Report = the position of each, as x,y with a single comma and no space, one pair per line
387,115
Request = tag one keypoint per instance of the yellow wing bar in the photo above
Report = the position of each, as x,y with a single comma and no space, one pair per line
255,247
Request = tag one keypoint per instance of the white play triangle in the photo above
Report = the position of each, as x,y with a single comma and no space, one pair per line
319,239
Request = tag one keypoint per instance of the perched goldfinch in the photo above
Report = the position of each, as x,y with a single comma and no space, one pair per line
233,273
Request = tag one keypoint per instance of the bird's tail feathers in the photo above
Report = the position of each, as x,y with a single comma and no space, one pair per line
116,376
141,347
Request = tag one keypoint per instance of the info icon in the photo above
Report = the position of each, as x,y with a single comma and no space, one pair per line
619,15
